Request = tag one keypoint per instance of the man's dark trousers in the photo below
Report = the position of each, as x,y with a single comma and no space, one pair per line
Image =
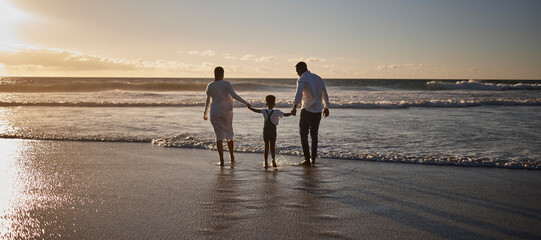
309,123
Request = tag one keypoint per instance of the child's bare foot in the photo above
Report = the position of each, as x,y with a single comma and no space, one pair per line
274,164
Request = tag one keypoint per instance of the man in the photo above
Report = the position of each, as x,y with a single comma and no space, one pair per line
311,92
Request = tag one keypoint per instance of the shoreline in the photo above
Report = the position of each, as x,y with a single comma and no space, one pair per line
369,157
116,190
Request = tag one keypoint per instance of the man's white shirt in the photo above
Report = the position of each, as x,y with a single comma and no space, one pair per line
311,91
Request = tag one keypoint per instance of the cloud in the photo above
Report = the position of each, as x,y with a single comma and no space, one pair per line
395,66
307,60
266,59
208,53
250,57
40,61
228,56
387,67
36,59
247,57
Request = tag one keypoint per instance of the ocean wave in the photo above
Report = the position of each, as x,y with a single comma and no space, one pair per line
185,141
287,104
437,104
140,85
75,138
89,86
479,85
97,104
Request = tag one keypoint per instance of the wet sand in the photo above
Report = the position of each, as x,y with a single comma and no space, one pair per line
95,190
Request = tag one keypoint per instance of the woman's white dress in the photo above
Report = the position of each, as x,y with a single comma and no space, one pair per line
221,108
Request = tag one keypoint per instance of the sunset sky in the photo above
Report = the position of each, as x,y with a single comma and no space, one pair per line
481,39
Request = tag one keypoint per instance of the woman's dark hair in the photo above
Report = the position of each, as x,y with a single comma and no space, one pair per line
218,72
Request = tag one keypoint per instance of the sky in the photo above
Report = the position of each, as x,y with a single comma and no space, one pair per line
437,39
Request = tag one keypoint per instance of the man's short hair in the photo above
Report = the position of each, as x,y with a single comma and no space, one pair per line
270,99
301,65
218,71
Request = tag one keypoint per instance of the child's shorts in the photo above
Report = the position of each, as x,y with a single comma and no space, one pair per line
269,132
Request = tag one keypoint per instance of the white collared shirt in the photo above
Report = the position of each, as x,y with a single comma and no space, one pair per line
311,92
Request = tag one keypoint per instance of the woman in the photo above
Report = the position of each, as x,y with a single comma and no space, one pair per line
221,111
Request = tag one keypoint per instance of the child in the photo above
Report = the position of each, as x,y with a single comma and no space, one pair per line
271,117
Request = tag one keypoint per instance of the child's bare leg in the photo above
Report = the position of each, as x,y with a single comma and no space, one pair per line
231,146
220,147
266,153
273,152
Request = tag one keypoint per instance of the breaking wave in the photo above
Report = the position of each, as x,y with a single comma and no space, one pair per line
183,141
337,104
479,85
87,86
186,141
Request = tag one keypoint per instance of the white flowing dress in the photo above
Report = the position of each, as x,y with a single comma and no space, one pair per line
221,108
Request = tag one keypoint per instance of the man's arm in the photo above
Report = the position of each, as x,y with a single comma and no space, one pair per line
325,102
298,96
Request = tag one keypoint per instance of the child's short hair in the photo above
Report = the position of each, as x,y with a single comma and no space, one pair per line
271,99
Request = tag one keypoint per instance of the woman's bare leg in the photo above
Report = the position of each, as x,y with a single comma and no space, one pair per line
220,147
231,146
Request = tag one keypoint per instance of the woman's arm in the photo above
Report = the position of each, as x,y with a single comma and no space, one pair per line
235,96
207,103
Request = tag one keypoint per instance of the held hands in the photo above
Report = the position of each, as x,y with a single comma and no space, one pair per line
325,112
293,112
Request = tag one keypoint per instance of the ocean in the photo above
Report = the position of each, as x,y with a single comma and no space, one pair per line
477,123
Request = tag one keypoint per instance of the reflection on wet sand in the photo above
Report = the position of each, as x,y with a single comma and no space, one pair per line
225,203
34,193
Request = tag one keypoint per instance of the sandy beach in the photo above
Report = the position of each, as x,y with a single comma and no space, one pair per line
99,190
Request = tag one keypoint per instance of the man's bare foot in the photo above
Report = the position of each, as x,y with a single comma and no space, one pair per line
266,165
274,164
305,163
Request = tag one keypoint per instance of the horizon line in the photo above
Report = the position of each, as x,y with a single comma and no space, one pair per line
333,78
